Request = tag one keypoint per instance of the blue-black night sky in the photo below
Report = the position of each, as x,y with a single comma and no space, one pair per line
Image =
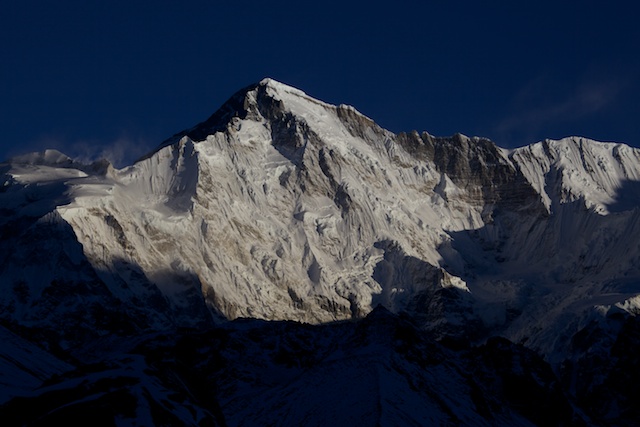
116,77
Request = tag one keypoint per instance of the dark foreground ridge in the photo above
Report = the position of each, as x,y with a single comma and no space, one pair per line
381,370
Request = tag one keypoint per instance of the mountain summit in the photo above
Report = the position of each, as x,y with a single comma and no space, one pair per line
283,207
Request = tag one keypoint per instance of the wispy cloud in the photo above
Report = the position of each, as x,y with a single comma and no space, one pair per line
119,152
532,114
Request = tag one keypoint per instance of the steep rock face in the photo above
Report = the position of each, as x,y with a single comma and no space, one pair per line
54,289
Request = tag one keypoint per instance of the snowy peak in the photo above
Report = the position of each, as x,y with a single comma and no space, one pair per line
49,166
46,158
276,87
272,101
606,176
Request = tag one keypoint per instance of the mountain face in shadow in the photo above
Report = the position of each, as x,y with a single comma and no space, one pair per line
381,370
627,197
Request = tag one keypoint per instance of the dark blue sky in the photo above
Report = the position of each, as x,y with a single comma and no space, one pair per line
118,77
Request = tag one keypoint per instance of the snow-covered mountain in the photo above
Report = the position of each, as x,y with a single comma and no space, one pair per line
282,207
